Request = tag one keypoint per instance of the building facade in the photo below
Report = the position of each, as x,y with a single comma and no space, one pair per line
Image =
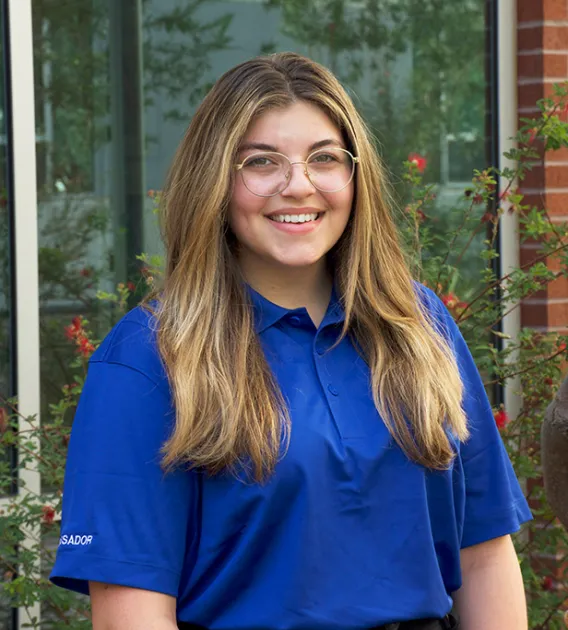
96,95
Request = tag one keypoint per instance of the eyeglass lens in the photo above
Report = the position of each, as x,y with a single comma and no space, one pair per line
267,174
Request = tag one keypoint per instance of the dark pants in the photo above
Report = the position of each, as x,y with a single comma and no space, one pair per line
448,623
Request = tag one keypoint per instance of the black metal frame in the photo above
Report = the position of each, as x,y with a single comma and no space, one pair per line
7,87
493,149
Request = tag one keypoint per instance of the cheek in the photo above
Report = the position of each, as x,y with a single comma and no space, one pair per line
342,203
243,207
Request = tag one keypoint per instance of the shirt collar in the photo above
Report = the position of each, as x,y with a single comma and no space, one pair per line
266,313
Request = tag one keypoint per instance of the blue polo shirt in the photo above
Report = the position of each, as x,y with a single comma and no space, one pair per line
347,534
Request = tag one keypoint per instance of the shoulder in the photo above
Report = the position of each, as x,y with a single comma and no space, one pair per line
132,343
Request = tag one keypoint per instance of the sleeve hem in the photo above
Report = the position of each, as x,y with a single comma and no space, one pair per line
488,529
75,573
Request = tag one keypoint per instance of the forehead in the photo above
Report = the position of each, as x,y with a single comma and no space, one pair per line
298,124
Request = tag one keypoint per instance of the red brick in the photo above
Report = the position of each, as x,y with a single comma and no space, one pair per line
552,9
556,66
556,176
555,264
555,37
558,289
535,10
556,203
534,315
528,95
558,314
534,178
549,37
529,11
538,65
557,156
551,176
527,256
530,65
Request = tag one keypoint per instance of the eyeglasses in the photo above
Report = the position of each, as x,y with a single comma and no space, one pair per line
268,174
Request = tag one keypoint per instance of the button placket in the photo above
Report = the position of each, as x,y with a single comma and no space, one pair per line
326,376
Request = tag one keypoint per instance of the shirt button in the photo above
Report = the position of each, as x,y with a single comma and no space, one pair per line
320,349
331,389
295,320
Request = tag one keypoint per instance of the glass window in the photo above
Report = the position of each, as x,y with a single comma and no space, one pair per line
116,85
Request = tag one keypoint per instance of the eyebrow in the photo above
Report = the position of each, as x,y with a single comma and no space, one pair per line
260,146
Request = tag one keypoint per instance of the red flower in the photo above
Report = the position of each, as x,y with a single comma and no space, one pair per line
85,272
419,161
131,286
478,199
48,514
86,348
76,333
74,330
501,418
532,134
547,583
450,300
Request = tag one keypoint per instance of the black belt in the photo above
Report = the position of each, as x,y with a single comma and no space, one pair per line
447,623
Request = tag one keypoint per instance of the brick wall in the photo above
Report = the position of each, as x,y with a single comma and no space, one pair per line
542,58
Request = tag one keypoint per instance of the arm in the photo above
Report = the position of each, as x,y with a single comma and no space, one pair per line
123,608
492,595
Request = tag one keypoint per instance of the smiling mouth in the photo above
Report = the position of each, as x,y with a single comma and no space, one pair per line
295,218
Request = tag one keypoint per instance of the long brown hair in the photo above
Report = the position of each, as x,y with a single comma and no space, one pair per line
229,409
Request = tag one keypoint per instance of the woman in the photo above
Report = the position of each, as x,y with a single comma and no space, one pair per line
293,435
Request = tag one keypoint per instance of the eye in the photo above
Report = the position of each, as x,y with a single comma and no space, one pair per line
260,161
324,158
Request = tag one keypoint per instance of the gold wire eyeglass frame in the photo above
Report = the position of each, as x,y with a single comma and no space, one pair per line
239,167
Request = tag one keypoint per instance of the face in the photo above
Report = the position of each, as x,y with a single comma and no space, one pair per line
267,228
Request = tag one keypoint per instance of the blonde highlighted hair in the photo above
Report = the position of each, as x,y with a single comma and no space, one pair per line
230,412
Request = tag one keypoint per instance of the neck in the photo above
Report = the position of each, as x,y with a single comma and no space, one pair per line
291,287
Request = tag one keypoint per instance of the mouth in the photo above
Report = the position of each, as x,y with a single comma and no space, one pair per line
295,218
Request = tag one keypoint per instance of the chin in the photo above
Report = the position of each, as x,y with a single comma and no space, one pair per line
297,262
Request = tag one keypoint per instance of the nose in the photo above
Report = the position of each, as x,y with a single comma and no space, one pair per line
299,184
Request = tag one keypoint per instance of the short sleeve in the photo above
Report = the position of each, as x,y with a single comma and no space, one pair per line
124,521
494,502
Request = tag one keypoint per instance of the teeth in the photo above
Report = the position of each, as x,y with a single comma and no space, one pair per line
294,218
